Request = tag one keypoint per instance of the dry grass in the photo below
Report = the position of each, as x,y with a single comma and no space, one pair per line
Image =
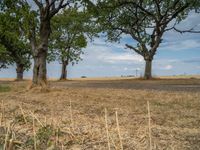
75,118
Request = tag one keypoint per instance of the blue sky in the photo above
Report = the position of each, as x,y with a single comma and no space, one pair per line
178,54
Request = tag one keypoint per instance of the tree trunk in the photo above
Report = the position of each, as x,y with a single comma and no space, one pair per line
19,71
64,71
148,68
40,54
39,70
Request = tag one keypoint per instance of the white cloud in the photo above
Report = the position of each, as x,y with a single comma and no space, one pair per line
168,67
101,51
125,69
124,57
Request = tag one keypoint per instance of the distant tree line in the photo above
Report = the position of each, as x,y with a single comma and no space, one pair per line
49,30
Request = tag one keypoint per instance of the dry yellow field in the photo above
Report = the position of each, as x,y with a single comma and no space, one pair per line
102,114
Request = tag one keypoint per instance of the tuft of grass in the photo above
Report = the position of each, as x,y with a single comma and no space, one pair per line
44,135
4,88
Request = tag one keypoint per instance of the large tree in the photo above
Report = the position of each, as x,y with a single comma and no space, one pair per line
39,44
145,21
14,47
47,9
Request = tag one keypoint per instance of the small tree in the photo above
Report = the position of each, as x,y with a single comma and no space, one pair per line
68,38
70,31
145,21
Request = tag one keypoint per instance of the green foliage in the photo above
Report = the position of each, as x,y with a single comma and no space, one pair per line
13,43
4,57
44,135
69,35
144,21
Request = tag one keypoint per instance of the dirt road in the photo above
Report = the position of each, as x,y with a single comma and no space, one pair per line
192,85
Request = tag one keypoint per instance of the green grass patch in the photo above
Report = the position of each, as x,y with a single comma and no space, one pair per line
4,88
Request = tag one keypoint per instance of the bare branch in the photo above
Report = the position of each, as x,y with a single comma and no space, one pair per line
135,49
52,3
138,39
39,4
191,30
185,31
175,23
60,6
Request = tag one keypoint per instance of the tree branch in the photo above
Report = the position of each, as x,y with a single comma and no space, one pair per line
175,23
155,46
185,31
139,6
135,49
60,6
172,7
158,8
39,4
177,13
52,3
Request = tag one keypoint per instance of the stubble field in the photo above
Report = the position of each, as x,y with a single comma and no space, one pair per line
101,114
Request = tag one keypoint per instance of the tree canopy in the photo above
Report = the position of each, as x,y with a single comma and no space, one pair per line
71,30
68,36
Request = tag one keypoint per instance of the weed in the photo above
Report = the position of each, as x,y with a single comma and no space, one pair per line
4,88
44,135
